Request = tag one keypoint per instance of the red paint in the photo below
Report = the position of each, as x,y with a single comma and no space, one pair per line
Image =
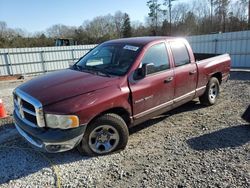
88,95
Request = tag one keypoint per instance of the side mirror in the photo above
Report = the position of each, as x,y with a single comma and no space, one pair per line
143,71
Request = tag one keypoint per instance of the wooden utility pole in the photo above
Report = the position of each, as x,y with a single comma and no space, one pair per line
211,13
170,14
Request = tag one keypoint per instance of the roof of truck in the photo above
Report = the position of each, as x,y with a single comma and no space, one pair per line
137,40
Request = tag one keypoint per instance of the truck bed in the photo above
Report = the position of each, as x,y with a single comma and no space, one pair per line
202,56
212,64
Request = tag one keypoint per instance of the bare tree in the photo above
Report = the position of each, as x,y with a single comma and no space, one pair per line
239,10
201,9
101,28
246,3
139,29
221,10
168,11
154,14
118,20
60,31
3,28
179,12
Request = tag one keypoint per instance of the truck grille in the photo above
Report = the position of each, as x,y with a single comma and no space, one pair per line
28,109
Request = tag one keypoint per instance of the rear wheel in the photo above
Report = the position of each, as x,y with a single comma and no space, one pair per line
212,92
104,135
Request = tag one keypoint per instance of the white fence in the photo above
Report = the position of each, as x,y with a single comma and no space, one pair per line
237,44
39,60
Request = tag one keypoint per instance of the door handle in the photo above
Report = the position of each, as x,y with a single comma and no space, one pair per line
169,79
192,72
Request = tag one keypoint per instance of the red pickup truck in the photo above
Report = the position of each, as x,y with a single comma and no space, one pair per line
115,86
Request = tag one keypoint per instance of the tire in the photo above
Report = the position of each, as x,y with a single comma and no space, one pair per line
104,135
212,92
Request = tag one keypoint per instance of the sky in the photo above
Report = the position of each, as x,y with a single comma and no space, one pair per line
38,15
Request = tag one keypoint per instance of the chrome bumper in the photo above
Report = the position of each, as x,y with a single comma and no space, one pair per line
50,147
49,140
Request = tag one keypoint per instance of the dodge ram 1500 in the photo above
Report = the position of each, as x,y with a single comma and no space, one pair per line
117,85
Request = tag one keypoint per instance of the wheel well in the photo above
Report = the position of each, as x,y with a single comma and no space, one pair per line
124,114
218,75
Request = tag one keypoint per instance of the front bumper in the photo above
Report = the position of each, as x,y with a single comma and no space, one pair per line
48,139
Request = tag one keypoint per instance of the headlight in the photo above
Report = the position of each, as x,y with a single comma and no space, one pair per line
61,121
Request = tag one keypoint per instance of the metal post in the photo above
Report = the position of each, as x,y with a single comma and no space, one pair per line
71,63
215,45
72,54
7,63
42,61
211,14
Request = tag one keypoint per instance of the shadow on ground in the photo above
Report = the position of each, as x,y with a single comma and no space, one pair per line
229,137
18,159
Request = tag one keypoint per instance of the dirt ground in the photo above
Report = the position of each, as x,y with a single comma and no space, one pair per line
191,146
15,77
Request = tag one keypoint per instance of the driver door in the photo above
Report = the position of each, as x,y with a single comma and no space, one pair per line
156,90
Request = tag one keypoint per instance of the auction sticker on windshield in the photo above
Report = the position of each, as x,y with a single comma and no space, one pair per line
129,47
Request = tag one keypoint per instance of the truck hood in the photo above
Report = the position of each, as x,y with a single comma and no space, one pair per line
60,85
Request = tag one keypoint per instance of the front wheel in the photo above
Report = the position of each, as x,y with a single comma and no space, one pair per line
212,92
104,135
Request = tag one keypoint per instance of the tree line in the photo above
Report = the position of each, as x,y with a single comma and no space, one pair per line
165,17
168,17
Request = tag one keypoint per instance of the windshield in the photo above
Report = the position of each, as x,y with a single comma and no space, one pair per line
110,59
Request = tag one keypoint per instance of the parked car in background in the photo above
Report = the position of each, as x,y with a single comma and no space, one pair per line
65,42
117,85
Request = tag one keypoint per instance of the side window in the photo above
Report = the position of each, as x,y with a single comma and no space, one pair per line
180,53
156,55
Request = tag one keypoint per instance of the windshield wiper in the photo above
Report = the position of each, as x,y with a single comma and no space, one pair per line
115,68
97,70
91,69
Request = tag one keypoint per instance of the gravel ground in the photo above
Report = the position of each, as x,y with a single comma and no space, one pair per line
6,89
191,146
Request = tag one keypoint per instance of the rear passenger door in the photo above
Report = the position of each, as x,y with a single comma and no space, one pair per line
153,92
185,72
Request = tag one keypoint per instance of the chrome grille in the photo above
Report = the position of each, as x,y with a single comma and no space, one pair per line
28,109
